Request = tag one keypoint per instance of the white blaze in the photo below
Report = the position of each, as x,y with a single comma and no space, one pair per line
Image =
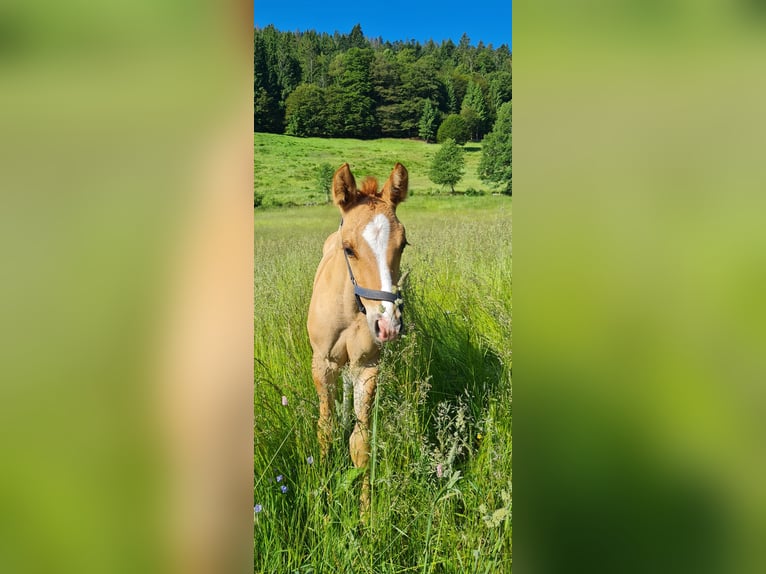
376,234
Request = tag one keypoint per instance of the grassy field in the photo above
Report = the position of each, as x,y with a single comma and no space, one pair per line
285,167
441,437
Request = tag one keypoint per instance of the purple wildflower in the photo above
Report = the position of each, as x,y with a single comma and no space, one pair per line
310,459
283,488
257,508
284,401
280,478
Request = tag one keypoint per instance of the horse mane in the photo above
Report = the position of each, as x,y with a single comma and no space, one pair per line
369,187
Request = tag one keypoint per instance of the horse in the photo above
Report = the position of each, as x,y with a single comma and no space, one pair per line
356,306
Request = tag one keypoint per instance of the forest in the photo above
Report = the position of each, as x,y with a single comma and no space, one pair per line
348,85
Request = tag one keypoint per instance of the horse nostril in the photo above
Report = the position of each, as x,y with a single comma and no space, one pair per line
383,329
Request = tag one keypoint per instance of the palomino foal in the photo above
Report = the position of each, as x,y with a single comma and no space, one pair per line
355,306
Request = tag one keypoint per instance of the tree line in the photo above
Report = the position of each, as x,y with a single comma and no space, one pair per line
348,85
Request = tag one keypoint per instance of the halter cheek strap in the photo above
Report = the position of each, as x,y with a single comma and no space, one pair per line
373,294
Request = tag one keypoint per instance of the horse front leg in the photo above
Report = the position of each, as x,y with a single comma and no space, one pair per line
348,401
325,375
365,382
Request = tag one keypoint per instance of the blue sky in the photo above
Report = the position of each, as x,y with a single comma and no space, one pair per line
485,20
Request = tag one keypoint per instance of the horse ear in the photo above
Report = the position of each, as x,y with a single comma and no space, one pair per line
343,188
395,189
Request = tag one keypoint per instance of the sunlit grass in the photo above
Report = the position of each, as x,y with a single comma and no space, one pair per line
285,167
441,426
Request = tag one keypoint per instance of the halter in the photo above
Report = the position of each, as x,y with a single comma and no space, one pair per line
360,292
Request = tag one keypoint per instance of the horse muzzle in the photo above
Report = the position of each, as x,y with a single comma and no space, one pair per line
386,322
386,329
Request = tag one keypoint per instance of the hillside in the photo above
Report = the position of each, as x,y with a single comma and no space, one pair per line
285,167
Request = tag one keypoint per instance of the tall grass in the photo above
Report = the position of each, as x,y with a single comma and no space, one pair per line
441,425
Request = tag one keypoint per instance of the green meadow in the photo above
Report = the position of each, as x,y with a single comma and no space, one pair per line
285,167
441,466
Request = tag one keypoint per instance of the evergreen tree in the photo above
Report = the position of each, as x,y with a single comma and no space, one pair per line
266,114
350,101
447,50
448,165
288,66
428,122
460,84
496,165
356,38
419,82
451,97
309,51
466,54
486,62
389,93
474,110
500,91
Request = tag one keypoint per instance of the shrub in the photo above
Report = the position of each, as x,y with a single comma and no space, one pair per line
453,127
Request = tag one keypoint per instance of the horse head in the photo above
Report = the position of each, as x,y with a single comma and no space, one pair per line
373,239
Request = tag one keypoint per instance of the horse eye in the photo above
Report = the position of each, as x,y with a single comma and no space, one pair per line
349,251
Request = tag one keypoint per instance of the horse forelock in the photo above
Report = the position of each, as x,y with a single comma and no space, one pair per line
369,187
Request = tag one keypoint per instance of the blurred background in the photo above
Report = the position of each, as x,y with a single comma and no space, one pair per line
126,288
640,251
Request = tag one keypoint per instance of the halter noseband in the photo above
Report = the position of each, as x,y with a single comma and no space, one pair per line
360,292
